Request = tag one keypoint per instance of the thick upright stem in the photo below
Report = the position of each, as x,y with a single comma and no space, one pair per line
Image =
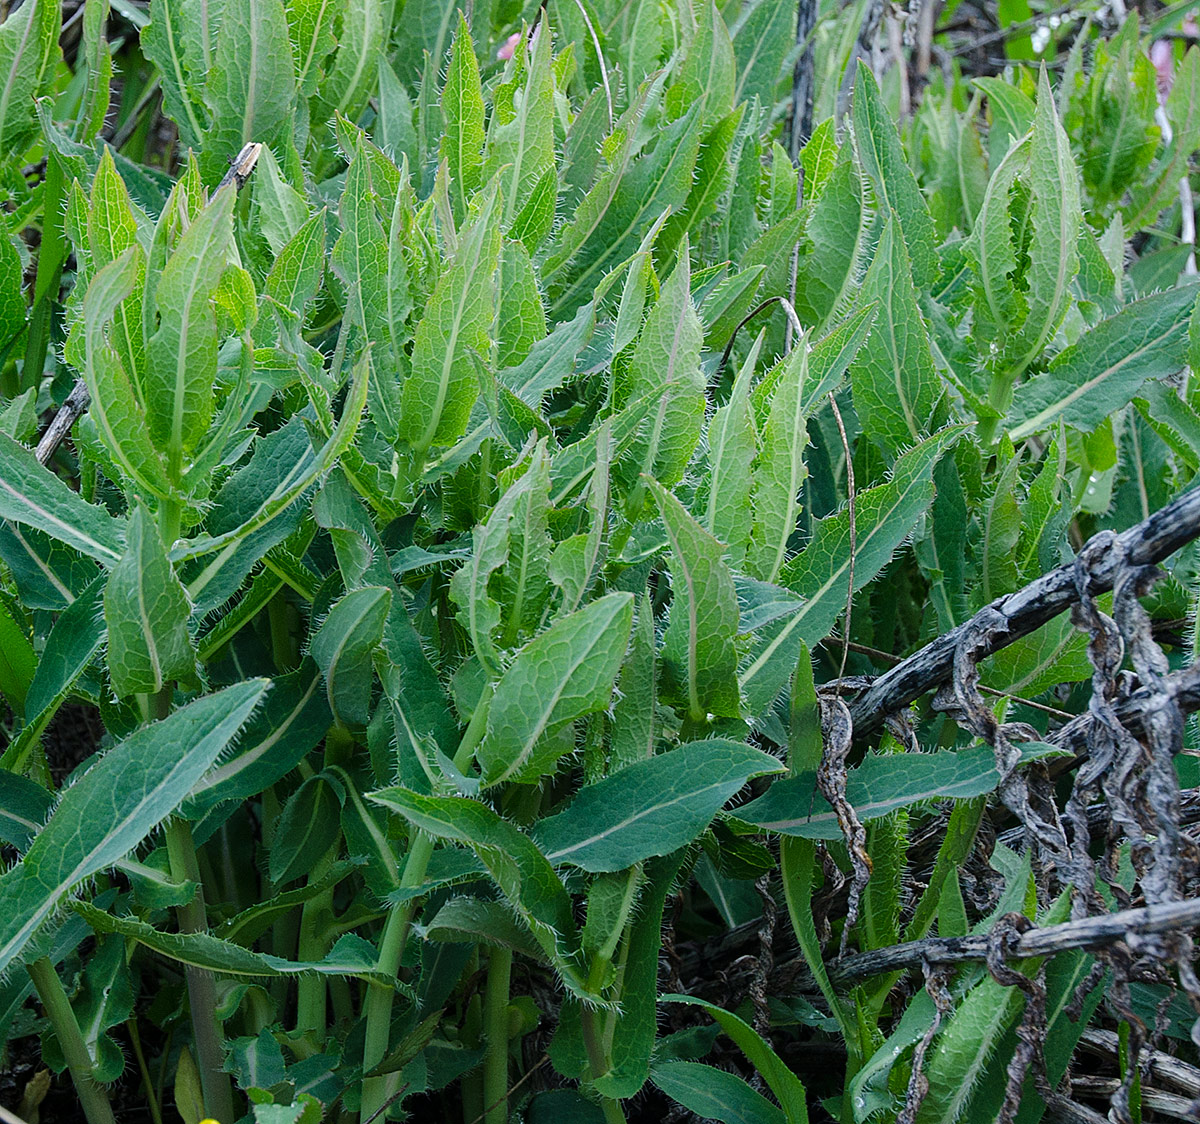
378,1006
495,1030
92,1097
202,992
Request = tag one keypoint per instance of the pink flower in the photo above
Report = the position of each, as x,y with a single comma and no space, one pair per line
510,46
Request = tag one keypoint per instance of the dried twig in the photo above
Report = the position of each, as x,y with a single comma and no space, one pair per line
1022,612
1091,933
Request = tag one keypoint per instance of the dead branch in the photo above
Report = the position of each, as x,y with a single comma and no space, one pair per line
1027,609
1089,933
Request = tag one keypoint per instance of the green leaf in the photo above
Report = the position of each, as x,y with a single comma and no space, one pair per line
17,661
699,657
520,142
783,1083
251,88
896,192
666,361
176,43
1099,375
651,807
761,39
836,240
33,495
896,388
728,515
884,516
343,647
24,806
779,470
881,784
114,406
182,353
146,611
442,387
307,827
562,674
478,921
350,956
462,112
361,44
635,1027
28,51
1053,244
294,718
515,864
706,79
714,1094
629,196
115,805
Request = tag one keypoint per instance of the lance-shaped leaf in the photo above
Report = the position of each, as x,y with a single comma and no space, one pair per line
895,385
111,230
714,1093
442,385
779,468
114,406
881,784
637,1023
651,807
551,361
891,179
361,43
521,133
28,45
30,493
666,360
1056,218
699,656
343,646
560,675
182,353
298,478
294,718
307,827
350,955
493,540
251,90
781,1080
175,43
146,611
115,805
522,872
24,806
884,517
838,232
76,637
1102,372
760,43
728,515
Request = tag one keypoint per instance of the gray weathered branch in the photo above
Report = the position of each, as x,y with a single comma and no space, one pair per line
1088,933
1027,609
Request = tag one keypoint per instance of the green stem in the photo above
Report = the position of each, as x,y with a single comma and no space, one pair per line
313,944
66,1028
147,1081
378,1005
202,991
495,1030
593,1043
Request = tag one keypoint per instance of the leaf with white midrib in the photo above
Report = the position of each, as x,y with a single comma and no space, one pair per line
652,807
115,805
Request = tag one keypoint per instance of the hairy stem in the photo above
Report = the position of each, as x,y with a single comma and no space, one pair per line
66,1028
495,1031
